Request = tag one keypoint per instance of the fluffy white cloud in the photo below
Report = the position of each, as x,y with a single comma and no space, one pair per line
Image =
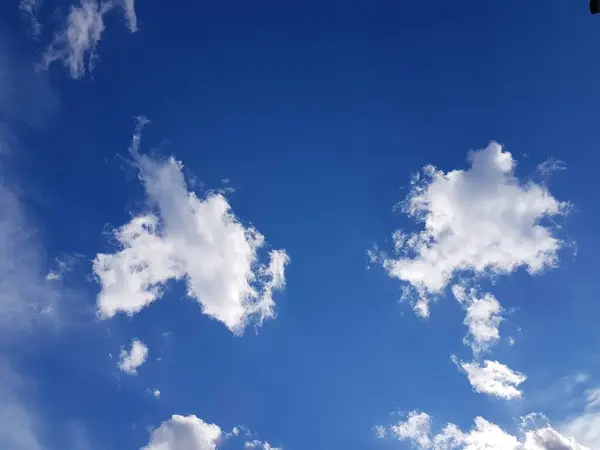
195,239
129,361
75,45
184,433
493,378
484,435
483,318
477,221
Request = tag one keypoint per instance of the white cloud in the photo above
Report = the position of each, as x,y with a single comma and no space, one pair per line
484,435
130,361
260,445
478,221
483,318
76,45
195,239
184,433
585,427
493,378
156,393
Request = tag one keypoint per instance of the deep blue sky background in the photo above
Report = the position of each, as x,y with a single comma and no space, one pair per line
317,113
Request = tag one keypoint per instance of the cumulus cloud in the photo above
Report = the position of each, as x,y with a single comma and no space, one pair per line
191,238
479,221
493,378
129,361
76,44
184,433
483,318
483,435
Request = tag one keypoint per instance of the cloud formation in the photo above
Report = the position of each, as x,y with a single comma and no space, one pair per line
184,433
484,435
483,318
493,378
190,238
76,44
479,221
586,426
129,361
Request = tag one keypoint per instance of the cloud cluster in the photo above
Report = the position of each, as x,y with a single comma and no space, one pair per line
192,433
76,44
483,435
478,221
129,361
190,238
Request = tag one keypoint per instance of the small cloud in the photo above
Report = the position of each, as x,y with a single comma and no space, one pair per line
64,264
184,432
156,393
493,378
483,318
129,361
260,445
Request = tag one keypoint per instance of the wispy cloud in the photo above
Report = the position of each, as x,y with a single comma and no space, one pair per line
30,9
76,44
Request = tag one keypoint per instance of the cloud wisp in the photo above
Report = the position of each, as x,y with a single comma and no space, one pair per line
75,46
191,238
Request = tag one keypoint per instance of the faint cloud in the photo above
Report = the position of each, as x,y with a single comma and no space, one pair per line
76,44
30,10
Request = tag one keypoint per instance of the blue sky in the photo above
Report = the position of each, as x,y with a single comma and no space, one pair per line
253,268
